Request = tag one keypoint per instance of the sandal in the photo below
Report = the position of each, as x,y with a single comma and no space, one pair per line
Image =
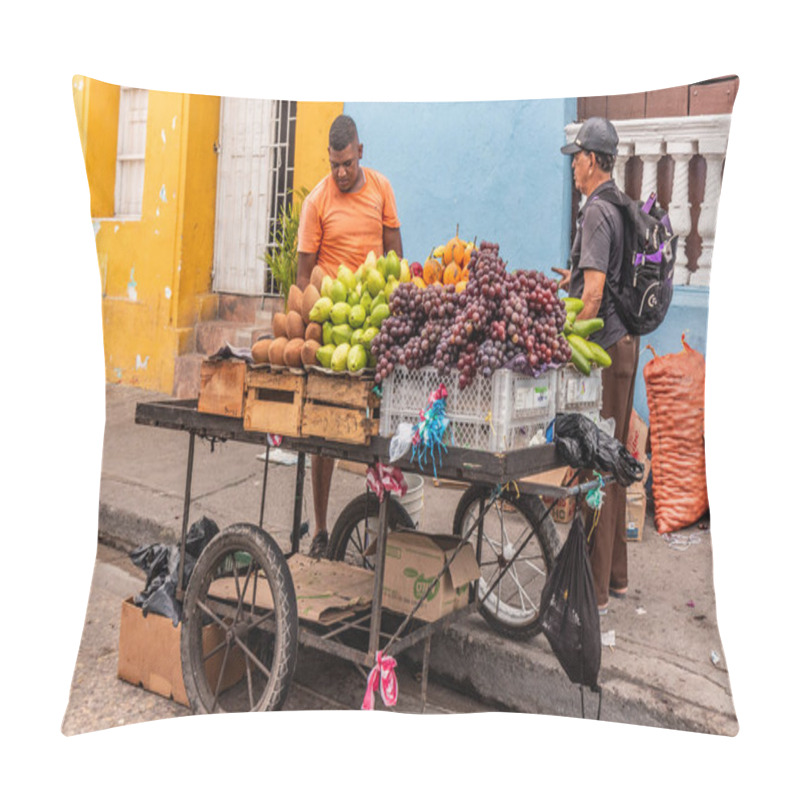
620,594
319,545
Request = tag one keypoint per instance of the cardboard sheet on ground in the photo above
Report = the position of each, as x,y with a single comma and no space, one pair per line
327,591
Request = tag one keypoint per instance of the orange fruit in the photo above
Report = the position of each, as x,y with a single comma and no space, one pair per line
458,252
451,274
460,286
431,271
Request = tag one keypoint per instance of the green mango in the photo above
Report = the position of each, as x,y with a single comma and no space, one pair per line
366,301
369,334
338,292
378,316
346,277
380,266
341,333
327,333
324,355
405,271
339,313
325,288
392,265
339,357
357,337
357,316
375,282
379,299
356,358
321,310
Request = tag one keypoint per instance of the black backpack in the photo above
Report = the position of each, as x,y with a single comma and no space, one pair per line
648,262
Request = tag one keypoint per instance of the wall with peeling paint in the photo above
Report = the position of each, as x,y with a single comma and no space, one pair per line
155,270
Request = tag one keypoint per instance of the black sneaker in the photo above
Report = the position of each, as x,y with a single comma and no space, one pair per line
319,545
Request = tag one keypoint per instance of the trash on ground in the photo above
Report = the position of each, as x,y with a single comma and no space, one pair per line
161,564
681,541
640,610
608,639
278,456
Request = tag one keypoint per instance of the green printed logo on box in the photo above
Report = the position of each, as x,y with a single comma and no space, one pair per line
422,585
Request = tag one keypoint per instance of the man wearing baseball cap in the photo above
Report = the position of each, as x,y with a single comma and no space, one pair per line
595,261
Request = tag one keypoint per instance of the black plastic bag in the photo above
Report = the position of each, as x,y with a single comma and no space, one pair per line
576,438
612,456
161,563
583,445
570,620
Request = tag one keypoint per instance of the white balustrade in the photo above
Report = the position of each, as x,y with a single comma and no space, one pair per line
681,139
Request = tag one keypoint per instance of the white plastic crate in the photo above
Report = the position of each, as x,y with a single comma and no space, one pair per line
503,412
579,393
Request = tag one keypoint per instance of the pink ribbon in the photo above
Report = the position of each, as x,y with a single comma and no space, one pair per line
381,479
381,676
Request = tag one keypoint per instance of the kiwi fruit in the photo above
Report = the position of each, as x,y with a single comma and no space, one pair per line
291,353
260,351
308,354
310,296
295,299
276,350
295,327
317,274
279,324
313,332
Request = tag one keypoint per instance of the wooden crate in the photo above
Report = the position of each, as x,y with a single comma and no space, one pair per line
341,409
274,402
222,387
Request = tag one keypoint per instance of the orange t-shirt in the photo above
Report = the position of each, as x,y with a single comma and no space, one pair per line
341,228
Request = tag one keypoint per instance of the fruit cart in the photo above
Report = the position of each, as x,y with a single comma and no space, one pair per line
243,582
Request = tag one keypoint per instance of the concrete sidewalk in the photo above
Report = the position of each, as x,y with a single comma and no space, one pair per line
666,666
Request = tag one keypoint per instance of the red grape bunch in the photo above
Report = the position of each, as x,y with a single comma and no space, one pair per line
501,319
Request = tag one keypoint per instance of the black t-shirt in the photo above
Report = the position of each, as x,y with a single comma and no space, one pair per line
598,244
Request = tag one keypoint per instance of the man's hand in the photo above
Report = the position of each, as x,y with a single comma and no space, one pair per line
566,276
305,263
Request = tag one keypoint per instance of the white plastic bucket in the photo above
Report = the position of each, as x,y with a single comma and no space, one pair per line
412,501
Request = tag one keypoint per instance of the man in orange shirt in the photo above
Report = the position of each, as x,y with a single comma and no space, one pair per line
349,213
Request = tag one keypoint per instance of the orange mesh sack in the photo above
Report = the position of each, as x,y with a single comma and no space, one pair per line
675,386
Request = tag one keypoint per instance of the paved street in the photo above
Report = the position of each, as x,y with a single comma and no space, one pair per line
99,700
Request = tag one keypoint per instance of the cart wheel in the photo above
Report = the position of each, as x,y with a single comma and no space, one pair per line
512,607
241,582
350,539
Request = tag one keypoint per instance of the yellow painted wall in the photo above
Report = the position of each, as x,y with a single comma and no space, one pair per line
155,270
311,162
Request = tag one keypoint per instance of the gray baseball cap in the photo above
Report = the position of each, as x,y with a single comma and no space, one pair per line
597,134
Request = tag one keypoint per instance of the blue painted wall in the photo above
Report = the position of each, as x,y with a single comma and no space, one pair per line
495,169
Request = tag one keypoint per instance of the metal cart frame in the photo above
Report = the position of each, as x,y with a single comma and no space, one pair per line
386,630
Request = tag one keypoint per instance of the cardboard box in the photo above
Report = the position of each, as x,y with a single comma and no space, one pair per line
635,512
222,387
150,654
637,446
564,509
413,560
